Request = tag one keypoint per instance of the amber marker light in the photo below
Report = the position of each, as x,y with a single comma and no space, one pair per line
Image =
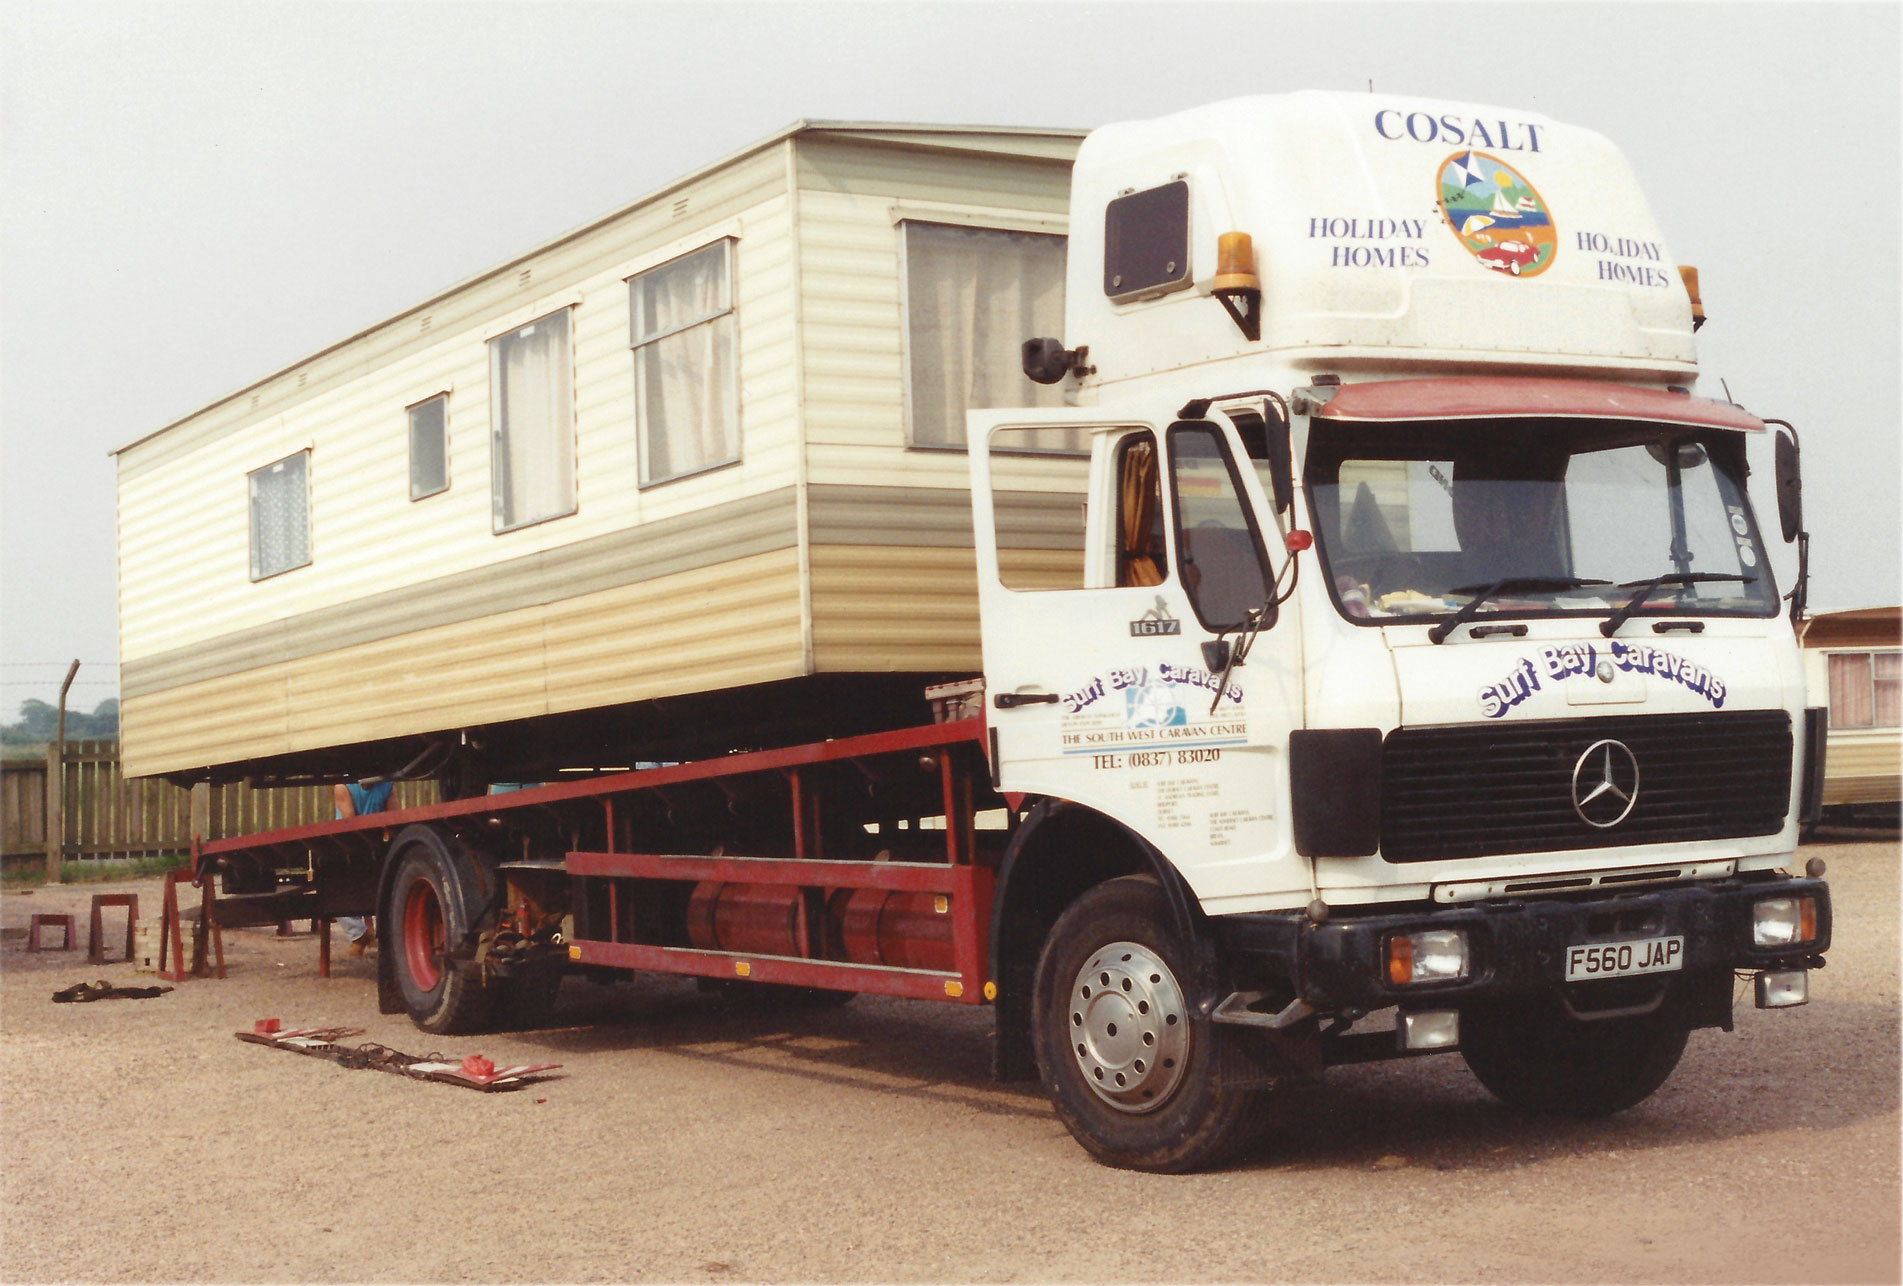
1235,285
1400,960
1235,263
1690,277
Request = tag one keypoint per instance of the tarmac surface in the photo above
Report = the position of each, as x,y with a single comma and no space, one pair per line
683,1141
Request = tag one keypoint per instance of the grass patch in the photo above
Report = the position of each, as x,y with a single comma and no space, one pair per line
90,872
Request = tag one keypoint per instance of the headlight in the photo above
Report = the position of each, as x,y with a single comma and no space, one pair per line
1783,922
1435,955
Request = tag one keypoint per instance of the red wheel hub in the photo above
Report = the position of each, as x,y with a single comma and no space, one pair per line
423,935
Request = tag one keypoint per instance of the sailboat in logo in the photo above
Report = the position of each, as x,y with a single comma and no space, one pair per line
1497,214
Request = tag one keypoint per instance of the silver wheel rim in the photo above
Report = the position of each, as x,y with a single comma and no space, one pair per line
1128,1027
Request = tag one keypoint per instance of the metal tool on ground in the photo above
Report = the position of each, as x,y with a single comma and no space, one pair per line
81,992
473,1071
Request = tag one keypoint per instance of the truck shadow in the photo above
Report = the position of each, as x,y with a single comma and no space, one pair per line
1423,1113
875,1044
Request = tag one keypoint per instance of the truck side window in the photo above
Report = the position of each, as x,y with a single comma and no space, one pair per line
1218,547
1141,556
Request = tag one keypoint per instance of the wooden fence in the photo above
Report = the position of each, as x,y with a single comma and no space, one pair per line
106,816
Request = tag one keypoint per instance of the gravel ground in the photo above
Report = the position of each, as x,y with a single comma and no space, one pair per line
683,1142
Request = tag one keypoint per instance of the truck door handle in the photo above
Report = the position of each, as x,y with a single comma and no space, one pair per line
1012,700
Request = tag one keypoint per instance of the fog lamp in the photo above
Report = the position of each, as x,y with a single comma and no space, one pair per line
1439,1029
1783,922
1781,989
1433,955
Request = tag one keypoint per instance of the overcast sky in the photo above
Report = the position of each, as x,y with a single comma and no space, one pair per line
195,195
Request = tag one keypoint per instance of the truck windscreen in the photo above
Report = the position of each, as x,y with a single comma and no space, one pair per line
1410,519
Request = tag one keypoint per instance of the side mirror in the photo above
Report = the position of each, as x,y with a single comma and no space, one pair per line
1281,464
1790,488
1046,360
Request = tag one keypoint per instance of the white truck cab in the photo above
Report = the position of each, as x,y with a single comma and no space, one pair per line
1418,648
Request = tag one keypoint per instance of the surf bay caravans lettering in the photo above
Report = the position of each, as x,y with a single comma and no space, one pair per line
1641,658
1141,706
1565,662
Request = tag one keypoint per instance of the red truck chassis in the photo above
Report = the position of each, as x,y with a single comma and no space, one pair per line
852,865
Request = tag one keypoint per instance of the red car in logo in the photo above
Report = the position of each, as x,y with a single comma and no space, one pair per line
1508,256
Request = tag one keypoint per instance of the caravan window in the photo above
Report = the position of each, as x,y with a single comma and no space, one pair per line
429,446
972,297
532,410
280,515
1865,688
686,385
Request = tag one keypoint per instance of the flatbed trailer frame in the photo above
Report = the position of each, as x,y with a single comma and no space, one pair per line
826,818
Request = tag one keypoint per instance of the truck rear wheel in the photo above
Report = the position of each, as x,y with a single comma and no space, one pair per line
1134,1076
422,919
1534,1057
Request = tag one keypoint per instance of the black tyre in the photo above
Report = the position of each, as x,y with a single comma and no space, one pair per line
420,921
1133,1075
1534,1057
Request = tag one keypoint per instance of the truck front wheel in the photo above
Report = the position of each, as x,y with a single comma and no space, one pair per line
1534,1057
1134,1076
422,916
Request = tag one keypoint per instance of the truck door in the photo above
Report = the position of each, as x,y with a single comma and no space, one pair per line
1098,686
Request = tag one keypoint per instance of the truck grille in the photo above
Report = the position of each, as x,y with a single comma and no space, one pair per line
1476,790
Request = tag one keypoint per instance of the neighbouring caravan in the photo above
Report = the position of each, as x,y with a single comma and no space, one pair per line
694,467
1853,664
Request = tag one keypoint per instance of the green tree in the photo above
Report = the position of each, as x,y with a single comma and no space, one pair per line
39,720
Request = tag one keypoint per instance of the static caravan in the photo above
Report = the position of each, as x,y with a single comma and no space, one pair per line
1853,664
688,478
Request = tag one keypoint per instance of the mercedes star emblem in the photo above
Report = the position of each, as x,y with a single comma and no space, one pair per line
1605,784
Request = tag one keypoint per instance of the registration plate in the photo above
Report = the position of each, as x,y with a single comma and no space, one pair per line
1622,959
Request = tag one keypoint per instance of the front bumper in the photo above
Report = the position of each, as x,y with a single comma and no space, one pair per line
1515,948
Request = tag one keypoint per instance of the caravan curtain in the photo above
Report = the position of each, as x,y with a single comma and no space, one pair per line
532,405
972,297
280,516
685,387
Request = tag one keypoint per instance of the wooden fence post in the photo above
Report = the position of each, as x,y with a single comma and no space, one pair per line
201,811
55,811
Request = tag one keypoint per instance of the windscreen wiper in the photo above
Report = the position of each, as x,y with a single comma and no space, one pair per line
1646,588
1481,593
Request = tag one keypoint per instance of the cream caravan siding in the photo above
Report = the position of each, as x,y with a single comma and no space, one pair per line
902,608
573,654
893,581
853,348
414,616
186,575
894,576
405,600
1862,766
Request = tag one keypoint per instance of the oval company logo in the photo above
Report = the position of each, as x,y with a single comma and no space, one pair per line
1497,215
